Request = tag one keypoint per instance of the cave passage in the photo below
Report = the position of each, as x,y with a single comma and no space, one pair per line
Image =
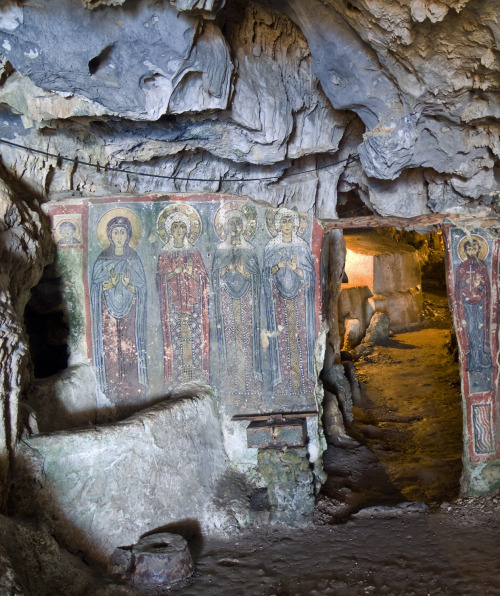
407,414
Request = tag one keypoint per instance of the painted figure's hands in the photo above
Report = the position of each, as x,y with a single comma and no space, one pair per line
293,265
126,281
178,269
240,267
188,268
113,278
478,280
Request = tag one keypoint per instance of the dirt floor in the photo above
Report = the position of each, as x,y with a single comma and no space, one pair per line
453,551
395,551
409,413
407,424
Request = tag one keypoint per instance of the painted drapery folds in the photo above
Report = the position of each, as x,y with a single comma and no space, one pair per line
289,285
473,296
206,288
236,278
118,298
182,284
474,277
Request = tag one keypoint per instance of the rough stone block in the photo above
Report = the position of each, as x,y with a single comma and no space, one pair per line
105,486
396,271
378,330
384,275
352,302
354,332
289,483
404,308
381,263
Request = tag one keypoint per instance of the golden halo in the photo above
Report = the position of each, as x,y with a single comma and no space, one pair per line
301,230
78,231
248,212
135,222
483,247
188,211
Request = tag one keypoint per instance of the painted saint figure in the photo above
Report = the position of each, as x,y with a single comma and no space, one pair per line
289,289
473,297
236,286
183,289
67,232
118,305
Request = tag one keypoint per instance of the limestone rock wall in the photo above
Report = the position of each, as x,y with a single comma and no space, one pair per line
24,248
230,100
213,93
435,64
25,548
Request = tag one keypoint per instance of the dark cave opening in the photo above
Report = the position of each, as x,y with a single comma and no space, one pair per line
47,325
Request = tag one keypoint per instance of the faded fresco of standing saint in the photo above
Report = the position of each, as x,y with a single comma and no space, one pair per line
473,298
118,308
236,286
289,290
183,289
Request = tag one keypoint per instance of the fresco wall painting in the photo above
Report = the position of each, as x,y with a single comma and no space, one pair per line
183,287
187,288
473,277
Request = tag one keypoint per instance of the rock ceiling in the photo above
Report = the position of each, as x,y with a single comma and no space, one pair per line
221,94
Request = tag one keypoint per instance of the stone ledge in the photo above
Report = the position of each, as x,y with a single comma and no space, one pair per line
100,487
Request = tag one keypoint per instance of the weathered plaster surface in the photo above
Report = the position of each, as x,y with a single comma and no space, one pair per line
473,261
232,329
248,369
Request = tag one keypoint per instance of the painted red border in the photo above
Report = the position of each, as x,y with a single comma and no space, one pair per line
81,207
490,398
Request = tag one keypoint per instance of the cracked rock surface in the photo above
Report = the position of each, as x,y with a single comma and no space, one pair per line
217,92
